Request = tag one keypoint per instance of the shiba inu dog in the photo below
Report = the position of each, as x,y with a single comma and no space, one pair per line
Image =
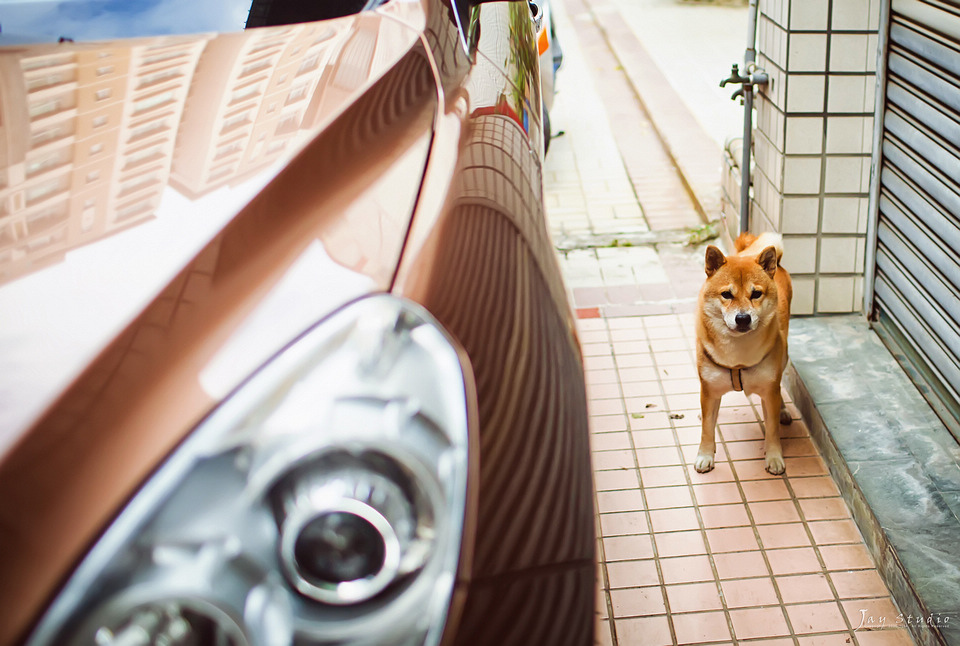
744,313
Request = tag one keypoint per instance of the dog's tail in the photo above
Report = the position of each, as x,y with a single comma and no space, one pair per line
748,244
744,240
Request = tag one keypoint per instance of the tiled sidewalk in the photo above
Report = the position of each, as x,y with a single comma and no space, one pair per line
732,556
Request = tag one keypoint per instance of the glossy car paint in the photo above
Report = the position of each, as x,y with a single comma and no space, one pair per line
410,167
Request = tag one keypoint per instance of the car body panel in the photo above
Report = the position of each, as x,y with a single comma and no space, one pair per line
341,212
487,270
90,450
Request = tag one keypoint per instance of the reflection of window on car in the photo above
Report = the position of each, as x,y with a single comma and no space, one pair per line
265,13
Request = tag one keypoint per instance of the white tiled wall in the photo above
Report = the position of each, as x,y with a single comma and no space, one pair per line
815,134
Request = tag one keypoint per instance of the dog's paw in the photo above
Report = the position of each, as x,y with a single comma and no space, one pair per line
704,462
785,418
775,464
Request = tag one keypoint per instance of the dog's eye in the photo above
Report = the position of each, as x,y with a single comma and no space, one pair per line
755,294
726,295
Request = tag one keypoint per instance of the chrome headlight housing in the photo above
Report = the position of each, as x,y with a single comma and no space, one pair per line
322,502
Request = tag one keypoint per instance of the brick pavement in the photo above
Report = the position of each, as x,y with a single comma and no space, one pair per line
732,556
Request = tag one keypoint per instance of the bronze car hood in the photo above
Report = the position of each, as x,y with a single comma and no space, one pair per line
122,160
173,211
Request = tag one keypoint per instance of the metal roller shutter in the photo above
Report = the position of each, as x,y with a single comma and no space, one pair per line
916,290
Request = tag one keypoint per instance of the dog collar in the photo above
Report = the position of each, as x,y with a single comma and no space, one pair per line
735,378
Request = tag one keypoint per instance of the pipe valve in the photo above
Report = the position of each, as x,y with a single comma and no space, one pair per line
755,78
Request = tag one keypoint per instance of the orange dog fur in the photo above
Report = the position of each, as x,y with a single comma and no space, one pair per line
743,318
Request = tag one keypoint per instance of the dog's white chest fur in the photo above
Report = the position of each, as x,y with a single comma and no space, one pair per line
753,379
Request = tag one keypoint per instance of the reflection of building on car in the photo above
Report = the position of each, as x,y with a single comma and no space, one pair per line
551,57
286,355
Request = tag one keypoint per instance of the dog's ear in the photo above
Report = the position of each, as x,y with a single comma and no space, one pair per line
714,261
768,260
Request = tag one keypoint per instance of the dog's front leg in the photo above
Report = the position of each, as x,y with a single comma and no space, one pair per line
771,422
709,409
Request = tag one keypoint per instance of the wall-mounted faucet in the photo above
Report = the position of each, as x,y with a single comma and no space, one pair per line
756,77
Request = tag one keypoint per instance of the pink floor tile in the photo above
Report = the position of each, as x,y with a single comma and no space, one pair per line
636,368
835,531
648,420
622,524
871,614
740,565
765,490
734,539
858,583
654,439
607,423
637,602
605,406
897,637
680,544
746,593
826,639
752,470
719,516
694,597
603,391
798,560
744,431
651,631
628,548
775,512
798,447
805,467
668,497
722,472
662,476
745,450
601,376
846,557
686,569
814,487
625,500
759,622
640,407
701,627
681,386
632,574
673,520
641,389
612,480
736,415
673,358
780,536
610,441
816,618
721,493
630,347
824,509
606,460
659,457
804,588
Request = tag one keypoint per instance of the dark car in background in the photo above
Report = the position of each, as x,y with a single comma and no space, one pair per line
285,355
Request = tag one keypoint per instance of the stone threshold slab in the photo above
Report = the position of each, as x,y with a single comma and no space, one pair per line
896,465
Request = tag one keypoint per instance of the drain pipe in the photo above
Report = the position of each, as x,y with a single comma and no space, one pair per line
755,77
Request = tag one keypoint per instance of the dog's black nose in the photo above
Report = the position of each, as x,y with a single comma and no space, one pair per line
743,320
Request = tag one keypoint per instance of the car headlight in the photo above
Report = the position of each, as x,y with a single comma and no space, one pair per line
322,502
